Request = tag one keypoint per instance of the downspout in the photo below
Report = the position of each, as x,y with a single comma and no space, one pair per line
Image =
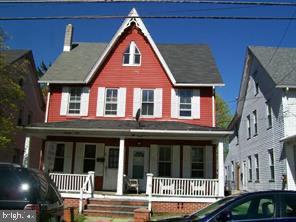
47,103
213,108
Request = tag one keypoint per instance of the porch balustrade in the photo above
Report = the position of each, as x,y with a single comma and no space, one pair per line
184,187
70,182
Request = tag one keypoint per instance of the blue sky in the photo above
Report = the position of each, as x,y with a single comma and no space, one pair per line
227,39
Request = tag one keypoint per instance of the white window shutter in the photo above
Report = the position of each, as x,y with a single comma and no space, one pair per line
121,102
101,101
79,158
157,103
174,103
154,159
137,101
64,101
68,157
84,101
195,106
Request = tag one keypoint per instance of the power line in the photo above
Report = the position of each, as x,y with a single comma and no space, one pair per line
89,17
157,1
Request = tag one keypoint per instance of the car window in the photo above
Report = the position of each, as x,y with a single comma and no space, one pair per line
256,207
288,205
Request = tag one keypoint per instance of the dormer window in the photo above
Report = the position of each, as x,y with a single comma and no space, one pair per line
132,55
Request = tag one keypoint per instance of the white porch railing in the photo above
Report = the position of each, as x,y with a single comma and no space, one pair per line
184,187
77,183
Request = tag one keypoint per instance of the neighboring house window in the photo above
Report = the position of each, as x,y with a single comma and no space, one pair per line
249,126
232,170
111,101
20,118
75,100
250,168
197,162
132,55
164,161
269,117
113,158
271,164
255,123
185,102
256,88
147,102
257,167
29,119
89,160
59,158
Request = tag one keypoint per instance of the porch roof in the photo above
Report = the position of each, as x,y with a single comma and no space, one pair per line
127,128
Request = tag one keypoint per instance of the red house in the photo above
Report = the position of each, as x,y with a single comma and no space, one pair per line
138,115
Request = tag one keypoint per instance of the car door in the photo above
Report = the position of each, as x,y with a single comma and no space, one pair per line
257,207
287,207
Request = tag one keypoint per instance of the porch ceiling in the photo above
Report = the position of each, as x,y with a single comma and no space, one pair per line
127,128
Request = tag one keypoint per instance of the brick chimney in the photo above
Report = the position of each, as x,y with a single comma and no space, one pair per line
68,38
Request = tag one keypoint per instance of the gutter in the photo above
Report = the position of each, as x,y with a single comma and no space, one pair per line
285,139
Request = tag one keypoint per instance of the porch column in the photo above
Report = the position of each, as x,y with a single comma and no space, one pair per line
26,157
220,169
120,168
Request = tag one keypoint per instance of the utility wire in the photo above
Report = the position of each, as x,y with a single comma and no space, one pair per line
157,1
87,17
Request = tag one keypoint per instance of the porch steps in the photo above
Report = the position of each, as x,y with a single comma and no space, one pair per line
113,207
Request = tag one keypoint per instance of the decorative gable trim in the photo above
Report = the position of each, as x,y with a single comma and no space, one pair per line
133,17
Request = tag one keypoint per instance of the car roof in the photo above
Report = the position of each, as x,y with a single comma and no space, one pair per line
264,192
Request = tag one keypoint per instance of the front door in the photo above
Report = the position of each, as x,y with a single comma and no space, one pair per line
138,165
111,168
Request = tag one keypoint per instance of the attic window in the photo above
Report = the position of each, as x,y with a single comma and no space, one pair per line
132,55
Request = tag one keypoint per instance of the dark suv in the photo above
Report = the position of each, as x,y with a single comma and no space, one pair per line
28,189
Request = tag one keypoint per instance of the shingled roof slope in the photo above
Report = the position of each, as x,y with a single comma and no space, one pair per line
11,55
188,63
279,63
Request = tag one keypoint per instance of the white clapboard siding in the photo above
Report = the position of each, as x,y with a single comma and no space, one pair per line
158,103
100,101
136,101
84,101
64,101
174,103
154,159
121,102
195,104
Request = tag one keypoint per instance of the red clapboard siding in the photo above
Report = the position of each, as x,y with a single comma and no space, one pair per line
149,75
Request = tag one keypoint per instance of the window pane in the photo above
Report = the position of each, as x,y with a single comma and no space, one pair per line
60,150
89,165
137,59
185,113
164,169
197,154
197,174
113,158
165,154
58,165
197,166
90,151
126,59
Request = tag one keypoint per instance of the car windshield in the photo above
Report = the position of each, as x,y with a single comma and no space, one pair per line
211,208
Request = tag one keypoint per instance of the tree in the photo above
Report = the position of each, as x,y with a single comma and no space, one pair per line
223,115
11,95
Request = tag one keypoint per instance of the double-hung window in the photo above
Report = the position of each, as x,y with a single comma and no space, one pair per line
250,168
255,123
165,161
75,100
197,162
147,102
89,161
132,55
111,101
269,116
257,167
271,164
232,171
249,126
185,102
59,158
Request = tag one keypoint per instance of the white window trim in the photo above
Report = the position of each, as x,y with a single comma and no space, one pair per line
132,47
68,103
257,167
268,106
147,116
255,123
271,162
105,103
250,175
249,130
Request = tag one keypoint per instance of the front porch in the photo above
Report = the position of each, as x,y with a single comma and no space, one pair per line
180,163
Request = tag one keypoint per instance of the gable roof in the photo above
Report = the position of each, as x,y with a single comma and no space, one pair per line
184,64
279,63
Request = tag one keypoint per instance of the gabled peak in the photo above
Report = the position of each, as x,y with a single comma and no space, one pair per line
133,13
